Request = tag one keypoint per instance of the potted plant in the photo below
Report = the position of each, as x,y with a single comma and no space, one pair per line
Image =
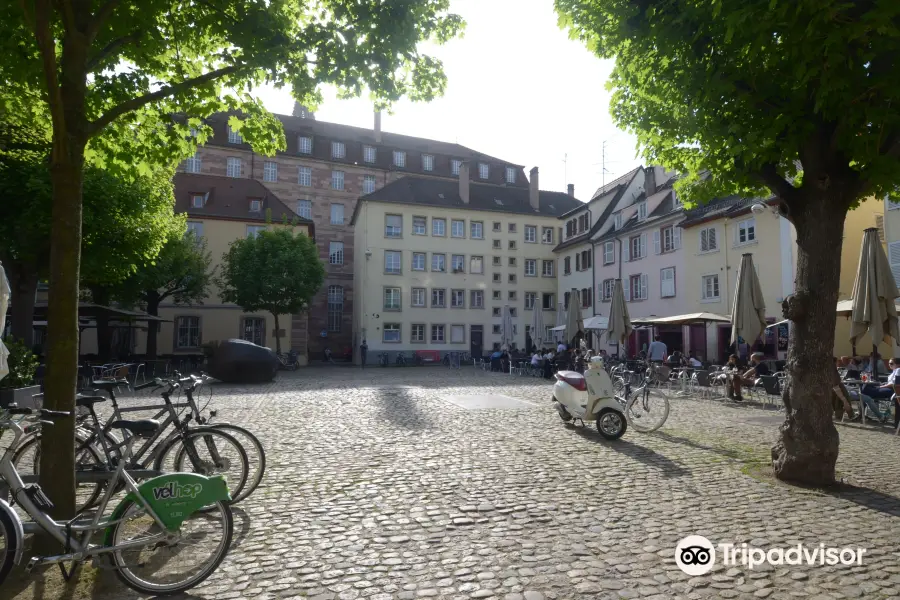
18,386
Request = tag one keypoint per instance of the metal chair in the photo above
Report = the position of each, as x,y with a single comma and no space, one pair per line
772,387
700,380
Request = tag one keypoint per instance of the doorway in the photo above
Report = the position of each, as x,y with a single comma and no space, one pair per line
476,340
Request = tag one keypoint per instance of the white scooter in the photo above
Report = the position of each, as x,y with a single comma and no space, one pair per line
590,397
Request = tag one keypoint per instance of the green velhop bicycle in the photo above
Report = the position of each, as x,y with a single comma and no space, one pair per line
157,539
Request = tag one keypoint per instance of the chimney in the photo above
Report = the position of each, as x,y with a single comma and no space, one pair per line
464,182
650,180
571,190
534,194
303,112
378,126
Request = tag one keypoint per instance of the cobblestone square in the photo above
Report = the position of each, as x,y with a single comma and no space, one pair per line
383,483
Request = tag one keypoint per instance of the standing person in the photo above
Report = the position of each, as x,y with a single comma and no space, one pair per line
561,347
363,351
657,351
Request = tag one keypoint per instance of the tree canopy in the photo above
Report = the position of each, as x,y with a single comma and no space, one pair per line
274,271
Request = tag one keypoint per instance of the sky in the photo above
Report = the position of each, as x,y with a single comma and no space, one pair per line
518,89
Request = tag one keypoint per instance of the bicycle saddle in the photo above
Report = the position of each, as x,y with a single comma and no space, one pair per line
88,400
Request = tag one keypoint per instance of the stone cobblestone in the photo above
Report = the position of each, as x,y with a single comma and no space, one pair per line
377,487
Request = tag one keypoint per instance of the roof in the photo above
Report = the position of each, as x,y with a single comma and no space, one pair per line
229,198
720,208
666,208
429,191
603,189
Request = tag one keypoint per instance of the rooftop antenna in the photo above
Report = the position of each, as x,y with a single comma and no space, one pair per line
566,167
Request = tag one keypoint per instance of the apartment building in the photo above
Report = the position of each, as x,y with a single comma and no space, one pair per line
325,168
439,260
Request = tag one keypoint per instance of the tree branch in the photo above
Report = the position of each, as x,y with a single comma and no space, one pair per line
47,48
103,13
169,90
781,187
112,47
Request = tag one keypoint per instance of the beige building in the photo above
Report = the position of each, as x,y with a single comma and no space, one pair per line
438,260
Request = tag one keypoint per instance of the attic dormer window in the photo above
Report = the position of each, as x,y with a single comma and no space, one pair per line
198,200
255,205
617,222
642,211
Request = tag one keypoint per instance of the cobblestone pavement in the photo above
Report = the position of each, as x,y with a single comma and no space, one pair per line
379,487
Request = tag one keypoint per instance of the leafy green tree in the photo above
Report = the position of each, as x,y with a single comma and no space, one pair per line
275,271
794,98
193,59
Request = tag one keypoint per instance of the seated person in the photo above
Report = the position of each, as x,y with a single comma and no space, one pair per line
886,390
879,366
871,406
851,368
737,380
693,362
536,359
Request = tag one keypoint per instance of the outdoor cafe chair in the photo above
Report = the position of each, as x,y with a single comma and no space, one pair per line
772,387
700,382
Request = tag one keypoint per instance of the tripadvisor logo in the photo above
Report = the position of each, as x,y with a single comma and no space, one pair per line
172,490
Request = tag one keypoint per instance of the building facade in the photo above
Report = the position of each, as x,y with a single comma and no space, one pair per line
325,168
439,260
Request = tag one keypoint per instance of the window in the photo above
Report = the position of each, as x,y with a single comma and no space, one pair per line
336,253
417,296
546,235
457,334
511,296
270,171
234,137
337,214
337,180
497,261
304,144
497,278
457,228
484,170
583,223
609,253
476,299
496,313
512,261
455,164
458,263
547,268
708,241
511,227
667,283
195,228
495,329
530,267
335,307
638,286
393,226
417,334
439,263
512,277
253,230
607,287
642,211
399,158
510,174
497,295
496,244
198,200
512,313
392,262
439,227
457,298
369,154
420,224
512,244
233,167
368,184
567,265
746,231
587,297
338,150
427,162
304,209
476,230
710,287
255,205
392,298
437,334
188,329
548,301
438,298
304,176
390,333
253,330
583,260
637,247
476,265
530,234
498,226
617,222
192,165
530,299
418,261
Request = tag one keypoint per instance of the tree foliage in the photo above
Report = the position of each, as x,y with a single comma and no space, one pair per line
274,271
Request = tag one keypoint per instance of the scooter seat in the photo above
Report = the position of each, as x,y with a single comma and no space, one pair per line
570,374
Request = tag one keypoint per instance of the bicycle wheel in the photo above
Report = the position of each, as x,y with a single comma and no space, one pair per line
215,453
647,409
164,568
256,457
8,546
27,460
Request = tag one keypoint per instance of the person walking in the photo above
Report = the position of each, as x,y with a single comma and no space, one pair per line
363,352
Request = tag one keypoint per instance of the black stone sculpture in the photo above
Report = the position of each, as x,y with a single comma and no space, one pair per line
240,361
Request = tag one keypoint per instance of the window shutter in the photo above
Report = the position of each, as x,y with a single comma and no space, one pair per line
879,224
626,251
676,231
578,261
656,245
704,241
643,245
713,243
894,258
626,287
644,286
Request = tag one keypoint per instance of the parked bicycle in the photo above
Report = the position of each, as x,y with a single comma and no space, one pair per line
289,361
401,360
383,359
157,539
647,402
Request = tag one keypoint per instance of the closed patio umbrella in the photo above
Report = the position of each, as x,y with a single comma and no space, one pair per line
537,326
619,327
506,329
748,311
559,334
874,292
5,293
574,322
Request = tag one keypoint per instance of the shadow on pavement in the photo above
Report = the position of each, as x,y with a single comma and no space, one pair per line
674,439
668,467
401,409
242,523
867,497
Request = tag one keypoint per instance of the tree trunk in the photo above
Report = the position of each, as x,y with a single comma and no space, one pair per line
23,282
277,337
807,448
153,300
